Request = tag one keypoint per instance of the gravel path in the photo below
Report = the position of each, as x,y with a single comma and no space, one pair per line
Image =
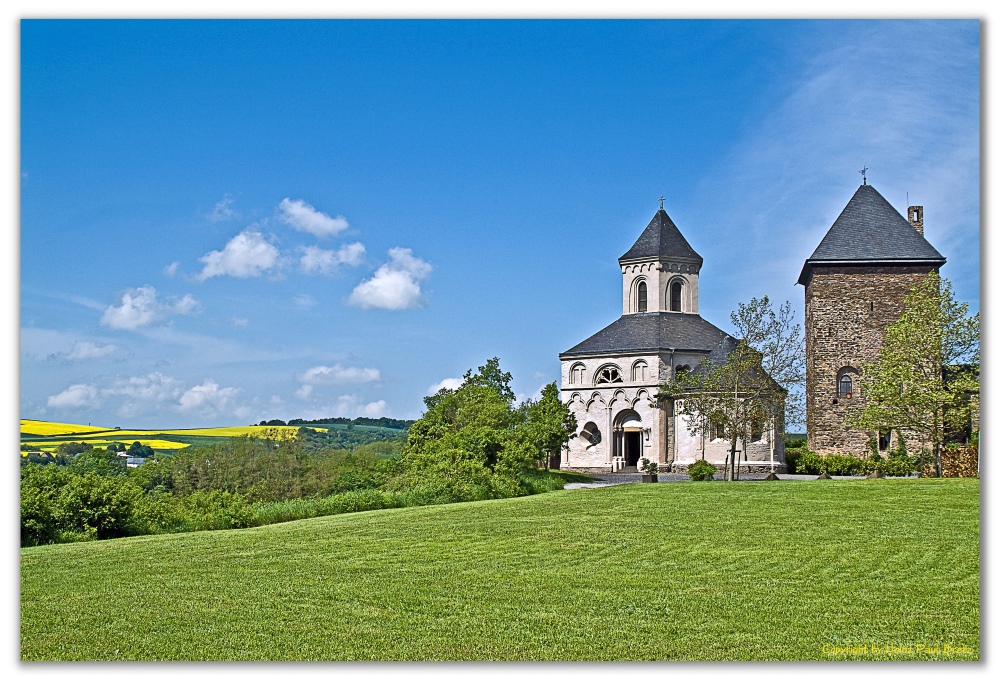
625,478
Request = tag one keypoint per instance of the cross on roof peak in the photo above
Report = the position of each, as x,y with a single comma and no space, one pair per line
661,201
863,170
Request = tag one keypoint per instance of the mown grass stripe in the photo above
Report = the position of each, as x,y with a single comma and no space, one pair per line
665,571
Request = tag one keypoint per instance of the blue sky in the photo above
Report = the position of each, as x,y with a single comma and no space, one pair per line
230,221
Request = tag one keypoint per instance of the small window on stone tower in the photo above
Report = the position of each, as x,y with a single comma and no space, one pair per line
641,295
576,374
675,296
846,387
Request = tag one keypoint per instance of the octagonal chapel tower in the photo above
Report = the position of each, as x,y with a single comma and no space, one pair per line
610,379
856,282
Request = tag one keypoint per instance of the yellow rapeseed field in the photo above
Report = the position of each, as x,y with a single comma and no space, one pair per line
41,427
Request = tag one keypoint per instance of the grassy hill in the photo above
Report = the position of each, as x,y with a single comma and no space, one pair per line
788,570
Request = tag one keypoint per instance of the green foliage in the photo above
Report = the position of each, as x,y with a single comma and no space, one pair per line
796,443
907,386
100,462
750,385
804,462
473,444
649,467
701,471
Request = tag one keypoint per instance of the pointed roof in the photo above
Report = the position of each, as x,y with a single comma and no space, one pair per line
662,240
651,332
869,230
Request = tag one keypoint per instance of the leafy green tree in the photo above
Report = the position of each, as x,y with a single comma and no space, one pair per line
548,424
99,462
472,442
733,389
928,367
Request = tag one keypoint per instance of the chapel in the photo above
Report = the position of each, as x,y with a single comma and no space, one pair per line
611,379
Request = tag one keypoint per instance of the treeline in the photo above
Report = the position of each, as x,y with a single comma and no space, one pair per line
473,443
373,422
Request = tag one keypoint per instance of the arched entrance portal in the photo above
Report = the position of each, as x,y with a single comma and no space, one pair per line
628,437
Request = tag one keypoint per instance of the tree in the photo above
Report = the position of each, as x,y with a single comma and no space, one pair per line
744,385
473,442
928,366
548,424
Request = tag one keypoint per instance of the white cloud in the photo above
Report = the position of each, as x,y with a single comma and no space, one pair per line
304,392
247,254
350,406
171,268
304,300
75,397
139,307
302,216
447,383
322,261
144,391
328,375
185,305
85,349
240,321
395,285
154,387
223,210
209,400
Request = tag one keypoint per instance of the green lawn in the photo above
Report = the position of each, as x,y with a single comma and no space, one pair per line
786,570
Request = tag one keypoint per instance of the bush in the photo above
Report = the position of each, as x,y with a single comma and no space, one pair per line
795,443
701,471
835,464
804,462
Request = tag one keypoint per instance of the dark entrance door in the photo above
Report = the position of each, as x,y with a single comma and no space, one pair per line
633,448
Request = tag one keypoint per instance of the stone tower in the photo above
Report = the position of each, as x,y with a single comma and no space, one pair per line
855,285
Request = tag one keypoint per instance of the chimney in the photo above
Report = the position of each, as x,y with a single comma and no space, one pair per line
915,214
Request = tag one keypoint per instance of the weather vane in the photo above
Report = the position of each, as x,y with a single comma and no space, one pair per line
661,201
863,170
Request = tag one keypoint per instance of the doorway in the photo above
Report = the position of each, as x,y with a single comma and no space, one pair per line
633,448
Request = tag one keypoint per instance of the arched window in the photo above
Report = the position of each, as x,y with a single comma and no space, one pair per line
675,296
591,434
576,374
608,374
846,386
640,295
639,371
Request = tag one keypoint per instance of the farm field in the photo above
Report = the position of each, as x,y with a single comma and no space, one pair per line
874,569
47,436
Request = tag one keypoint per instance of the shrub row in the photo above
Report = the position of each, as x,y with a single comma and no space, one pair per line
805,462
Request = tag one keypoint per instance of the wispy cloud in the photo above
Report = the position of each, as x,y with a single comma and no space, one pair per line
395,285
302,216
171,268
317,260
84,349
139,307
329,375
223,210
248,254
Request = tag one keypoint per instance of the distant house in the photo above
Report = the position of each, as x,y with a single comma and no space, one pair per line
134,462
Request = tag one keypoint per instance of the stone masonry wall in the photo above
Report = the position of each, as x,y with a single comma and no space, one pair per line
847,311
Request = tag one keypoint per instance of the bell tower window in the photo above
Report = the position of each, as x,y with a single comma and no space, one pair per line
675,296
641,296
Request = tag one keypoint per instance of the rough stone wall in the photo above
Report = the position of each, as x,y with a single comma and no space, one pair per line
847,311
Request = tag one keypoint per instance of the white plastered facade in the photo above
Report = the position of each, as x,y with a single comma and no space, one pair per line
612,396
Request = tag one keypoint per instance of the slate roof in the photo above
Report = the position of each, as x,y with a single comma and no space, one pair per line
661,239
650,332
870,230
